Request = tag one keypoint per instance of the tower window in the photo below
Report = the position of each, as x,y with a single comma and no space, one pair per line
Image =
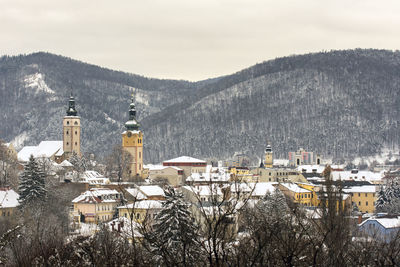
76,123
140,154
67,132
67,122
67,143
76,143
76,132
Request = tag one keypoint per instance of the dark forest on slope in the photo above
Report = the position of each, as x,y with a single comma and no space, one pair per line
338,103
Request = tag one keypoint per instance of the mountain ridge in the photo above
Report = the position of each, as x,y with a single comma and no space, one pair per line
341,103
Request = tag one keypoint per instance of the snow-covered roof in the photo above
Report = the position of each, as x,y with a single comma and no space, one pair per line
91,174
205,190
359,176
261,189
97,195
143,204
360,189
66,163
49,148
151,190
295,188
26,152
8,198
256,189
385,222
136,193
45,149
184,159
281,162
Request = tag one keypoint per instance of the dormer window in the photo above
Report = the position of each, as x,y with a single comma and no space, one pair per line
76,123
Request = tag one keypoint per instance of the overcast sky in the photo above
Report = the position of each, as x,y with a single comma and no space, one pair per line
193,40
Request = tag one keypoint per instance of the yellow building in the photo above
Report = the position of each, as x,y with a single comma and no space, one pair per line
132,142
297,193
364,197
143,211
71,130
96,205
278,175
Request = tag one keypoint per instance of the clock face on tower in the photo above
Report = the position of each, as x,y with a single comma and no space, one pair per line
129,134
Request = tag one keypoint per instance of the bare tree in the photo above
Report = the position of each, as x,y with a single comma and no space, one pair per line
118,164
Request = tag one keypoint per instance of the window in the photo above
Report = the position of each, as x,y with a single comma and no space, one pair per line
366,194
140,154
67,132
67,122
76,132
359,194
366,203
137,216
373,194
359,203
76,143
76,123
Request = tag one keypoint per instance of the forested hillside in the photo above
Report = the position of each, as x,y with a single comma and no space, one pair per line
339,103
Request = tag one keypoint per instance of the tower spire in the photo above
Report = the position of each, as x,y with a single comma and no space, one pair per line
132,123
71,111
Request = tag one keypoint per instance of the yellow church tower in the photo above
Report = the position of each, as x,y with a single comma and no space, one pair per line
268,157
132,142
71,130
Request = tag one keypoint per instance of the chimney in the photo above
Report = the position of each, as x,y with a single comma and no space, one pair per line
360,218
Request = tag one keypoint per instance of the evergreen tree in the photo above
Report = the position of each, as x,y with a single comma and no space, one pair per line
381,201
175,237
32,184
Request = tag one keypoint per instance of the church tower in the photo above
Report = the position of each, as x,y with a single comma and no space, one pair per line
72,130
268,157
132,142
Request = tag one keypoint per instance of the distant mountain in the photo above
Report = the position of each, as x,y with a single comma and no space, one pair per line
339,103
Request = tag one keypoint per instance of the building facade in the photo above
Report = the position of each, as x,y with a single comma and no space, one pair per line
302,157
